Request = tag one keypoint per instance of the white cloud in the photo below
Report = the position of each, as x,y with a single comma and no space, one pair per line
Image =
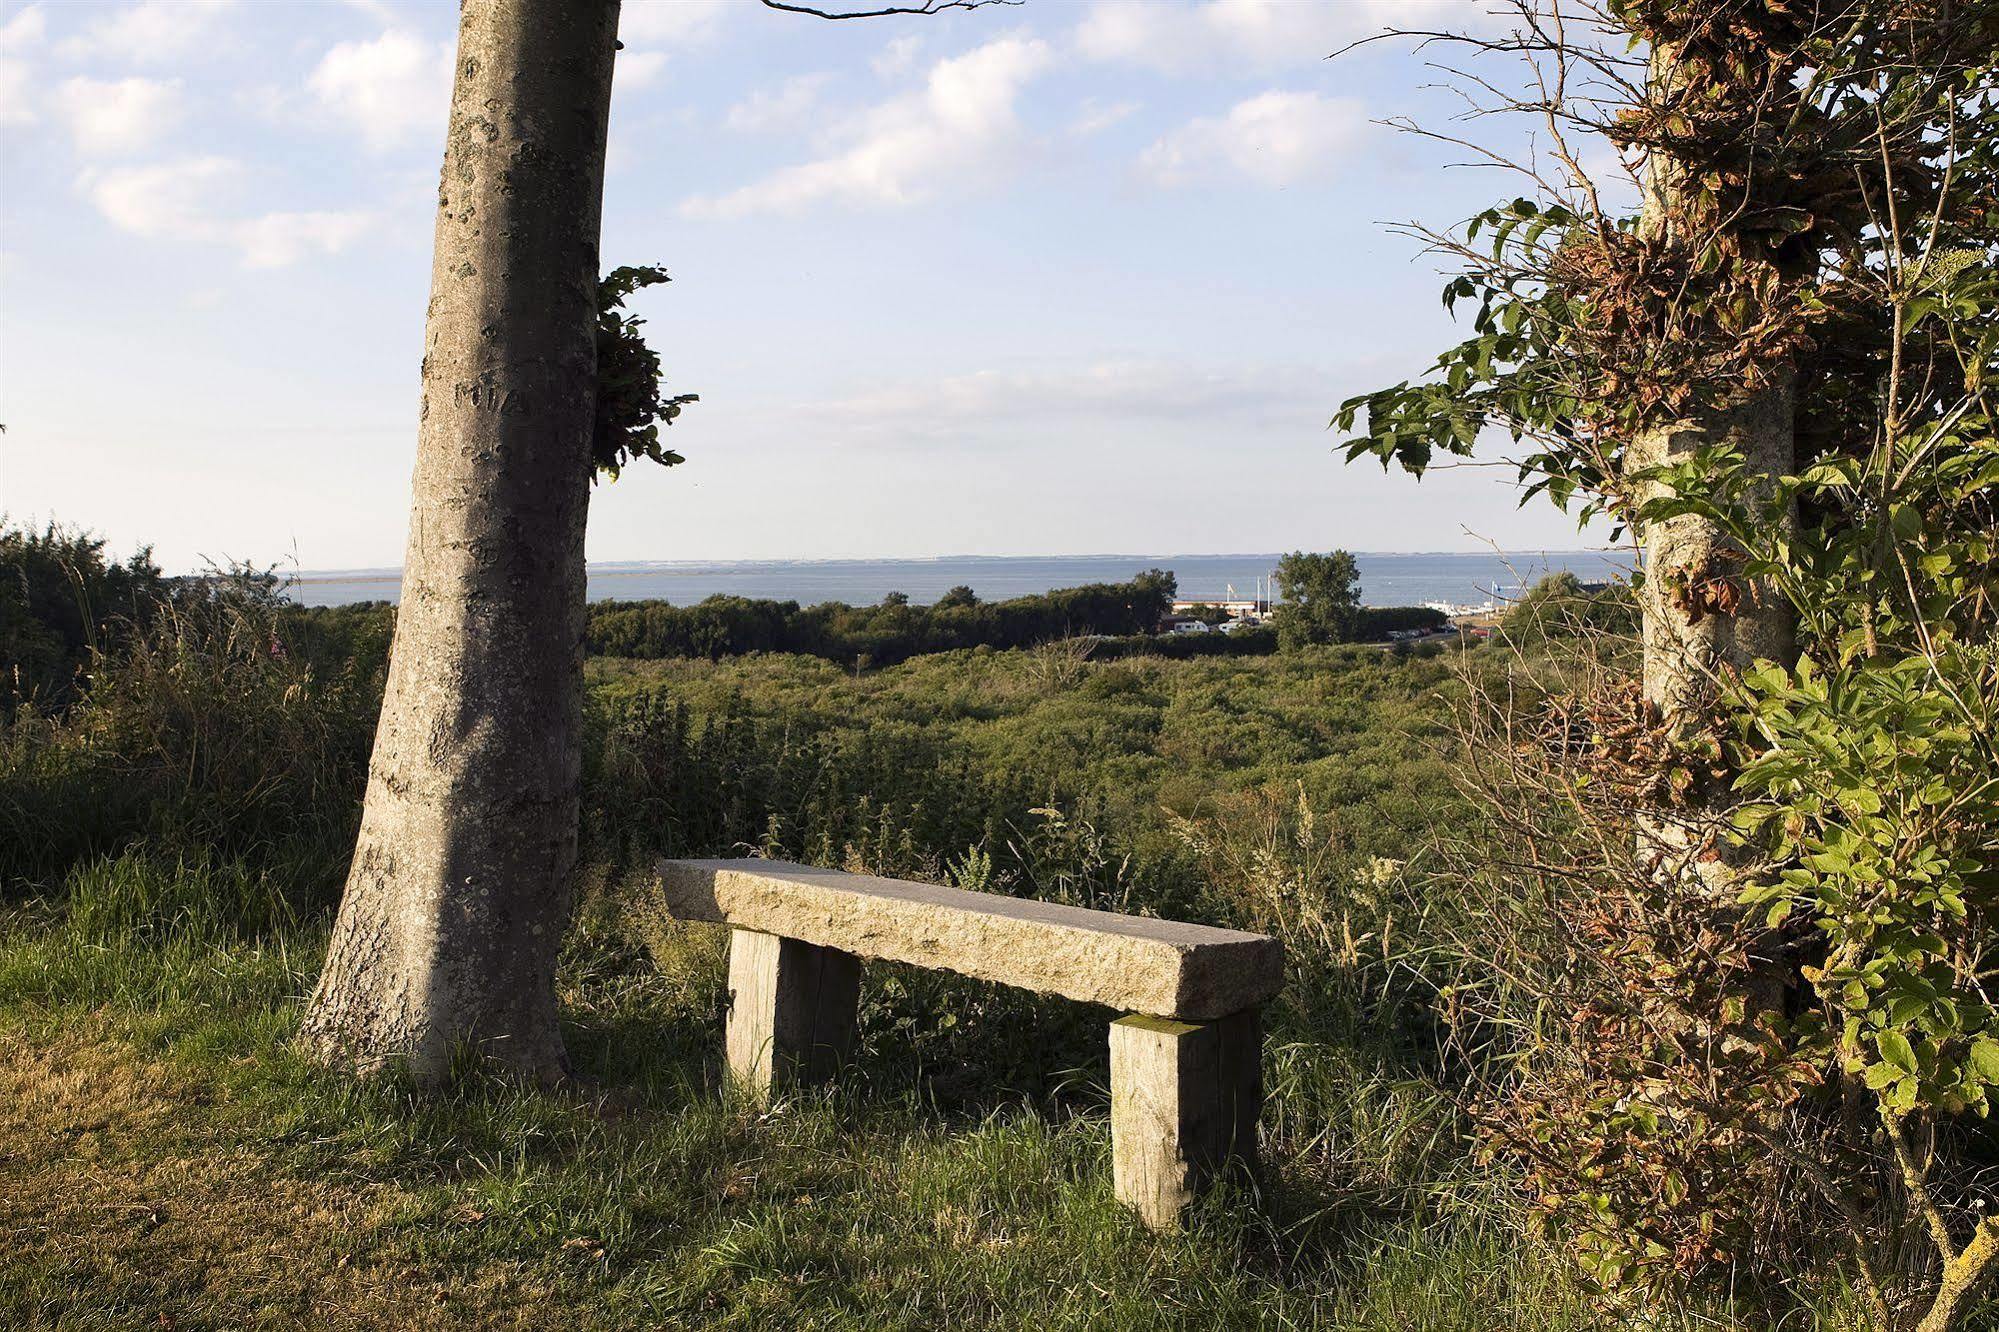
685,22
156,30
180,200
1257,34
25,28
1096,115
161,198
1150,391
1275,138
386,87
17,104
959,128
636,69
278,239
898,57
107,117
788,106
17,100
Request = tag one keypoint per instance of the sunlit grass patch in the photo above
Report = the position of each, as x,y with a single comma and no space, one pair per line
171,1155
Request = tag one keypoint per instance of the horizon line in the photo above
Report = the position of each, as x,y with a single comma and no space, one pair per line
374,573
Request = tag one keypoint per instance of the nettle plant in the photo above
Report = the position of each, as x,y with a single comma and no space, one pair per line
1791,1029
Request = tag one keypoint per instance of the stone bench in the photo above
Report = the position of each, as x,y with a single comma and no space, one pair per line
1186,1080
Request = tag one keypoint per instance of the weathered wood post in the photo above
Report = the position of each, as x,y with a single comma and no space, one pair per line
792,1010
1185,1097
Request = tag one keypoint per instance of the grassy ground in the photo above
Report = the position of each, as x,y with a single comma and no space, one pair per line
168,1162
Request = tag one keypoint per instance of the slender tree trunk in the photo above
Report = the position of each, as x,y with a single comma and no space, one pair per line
1704,620
1963,1276
459,889
1701,617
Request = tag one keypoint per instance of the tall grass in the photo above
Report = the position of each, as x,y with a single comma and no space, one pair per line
648,1196
172,845
205,730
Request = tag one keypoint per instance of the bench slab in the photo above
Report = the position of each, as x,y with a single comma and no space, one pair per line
1161,968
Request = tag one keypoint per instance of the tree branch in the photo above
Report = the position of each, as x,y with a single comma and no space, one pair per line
927,7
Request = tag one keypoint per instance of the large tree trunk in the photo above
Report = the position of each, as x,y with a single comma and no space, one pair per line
459,890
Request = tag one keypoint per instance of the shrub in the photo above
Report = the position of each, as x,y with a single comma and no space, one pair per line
203,730
60,602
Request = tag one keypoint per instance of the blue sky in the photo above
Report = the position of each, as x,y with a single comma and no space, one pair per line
1074,276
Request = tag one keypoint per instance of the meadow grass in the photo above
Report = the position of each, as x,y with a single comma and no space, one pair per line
171,1162
172,846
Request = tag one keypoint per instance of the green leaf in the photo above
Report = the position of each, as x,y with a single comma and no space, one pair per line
1896,1050
1881,1075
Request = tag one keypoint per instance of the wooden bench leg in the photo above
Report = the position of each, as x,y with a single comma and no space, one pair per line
792,1009
1185,1097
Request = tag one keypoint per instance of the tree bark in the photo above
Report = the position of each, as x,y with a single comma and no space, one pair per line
459,889
1963,1275
1703,619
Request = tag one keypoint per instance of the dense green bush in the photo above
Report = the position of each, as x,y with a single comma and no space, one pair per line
203,729
1258,642
1378,622
1321,598
880,635
60,601
1560,606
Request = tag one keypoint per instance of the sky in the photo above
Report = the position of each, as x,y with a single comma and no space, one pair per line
1062,277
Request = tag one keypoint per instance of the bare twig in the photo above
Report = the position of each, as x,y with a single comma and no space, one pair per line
927,7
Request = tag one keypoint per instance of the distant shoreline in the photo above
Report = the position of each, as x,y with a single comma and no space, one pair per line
1399,578
694,568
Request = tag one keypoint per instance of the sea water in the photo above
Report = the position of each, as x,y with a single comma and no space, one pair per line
1387,579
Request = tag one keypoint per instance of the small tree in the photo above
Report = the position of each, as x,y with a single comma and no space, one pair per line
1755,881
1321,599
1155,590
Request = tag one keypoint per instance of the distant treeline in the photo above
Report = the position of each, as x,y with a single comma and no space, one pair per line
891,632
61,601
1125,615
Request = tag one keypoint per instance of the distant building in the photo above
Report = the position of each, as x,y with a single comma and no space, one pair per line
1237,607
1453,611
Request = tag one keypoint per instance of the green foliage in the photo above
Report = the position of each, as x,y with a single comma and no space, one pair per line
1514,372
1280,792
724,626
203,730
1824,183
631,405
61,600
1888,849
1869,762
1258,642
1560,606
1321,599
